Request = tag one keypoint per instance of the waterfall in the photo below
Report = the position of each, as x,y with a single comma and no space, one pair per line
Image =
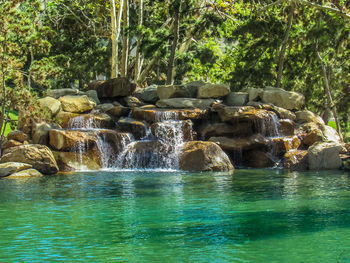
268,125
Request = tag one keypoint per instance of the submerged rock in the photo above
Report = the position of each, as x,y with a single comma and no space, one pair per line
77,104
324,155
39,156
9,168
204,156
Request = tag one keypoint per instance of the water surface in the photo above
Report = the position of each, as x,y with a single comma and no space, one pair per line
248,216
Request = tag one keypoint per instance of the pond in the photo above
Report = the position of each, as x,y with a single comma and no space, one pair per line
249,216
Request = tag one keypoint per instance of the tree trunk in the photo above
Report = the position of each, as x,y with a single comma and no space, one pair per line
115,36
171,71
138,59
284,46
125,53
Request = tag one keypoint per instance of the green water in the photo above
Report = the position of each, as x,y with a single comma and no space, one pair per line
250,216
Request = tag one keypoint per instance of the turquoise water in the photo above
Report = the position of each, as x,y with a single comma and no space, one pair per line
250,216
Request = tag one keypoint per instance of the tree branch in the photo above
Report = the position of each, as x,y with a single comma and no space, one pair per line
326,8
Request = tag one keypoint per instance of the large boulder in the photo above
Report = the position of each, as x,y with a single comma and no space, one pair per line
25,173
193,87
70,140
185,103
285,99
77,104
148,94
39,156
117,87
306,116
286,127
255,94
296,160
172,91
213,91
238,144
324,155
204,156
52,104
236,99
56,93
18,136
73,161
9,168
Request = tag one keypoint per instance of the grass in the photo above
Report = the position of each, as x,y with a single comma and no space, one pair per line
13,116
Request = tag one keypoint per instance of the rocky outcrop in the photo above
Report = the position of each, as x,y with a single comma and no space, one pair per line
9,168
172,91
204,156
185,103
117,87
308,116
193,87
213,91
324,155
296,160
39,156
285,99
77,104
53,105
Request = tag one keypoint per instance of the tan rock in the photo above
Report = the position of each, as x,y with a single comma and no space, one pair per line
204,156
172,91
9,168
77,104
118,111
25,173
324,155
137,128
308,116
11,143
213,91
73,161
285,99
53,105
39,156
286,127
296,160
18,136
64,117
70,140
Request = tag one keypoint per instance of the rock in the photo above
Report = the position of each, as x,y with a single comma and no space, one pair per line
92,94
132,102
155,115
204,156
40,133
119,111
331,135
308,116
9,168
18,136
224,129
172,91
170,130
70,140
285,99
39,156
117,87
255,94
282,113
63,118
96,120
25,173
72,161
53,105
77,104
296,160
311,133
236,99
213,91
24,122
11,143
184,103
286,127
285,144
324,155
105,107
56,93
238,144
148,94
193,87
259,159
137,128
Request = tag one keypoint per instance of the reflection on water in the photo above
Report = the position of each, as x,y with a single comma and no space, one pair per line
248,216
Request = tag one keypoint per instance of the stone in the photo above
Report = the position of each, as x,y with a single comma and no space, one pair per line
95,120
282,113
185,103
224,130
72,161
18,136
118,111
238,144
70,140
39,156
236,99
148,94
285,99
255,94
331,135
52,104
105,107
24,122
92,94
296,160
259,159
311,133
308,116
40,132
204,156
324,155
117,87
11,143
155,115
9,168
281,145
63,118
172,91
286,127
26,173
137,128
132,102
213,91
77,104
193,87
56,93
